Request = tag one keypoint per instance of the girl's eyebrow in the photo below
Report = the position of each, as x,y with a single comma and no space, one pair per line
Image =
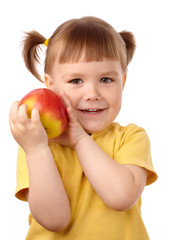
77,74
72,75
110,73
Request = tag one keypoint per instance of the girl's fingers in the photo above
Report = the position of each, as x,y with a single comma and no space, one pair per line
70,109
35,117
13,115
22,115
71,115
65,99
17,117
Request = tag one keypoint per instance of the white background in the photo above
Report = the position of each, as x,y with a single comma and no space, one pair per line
149,96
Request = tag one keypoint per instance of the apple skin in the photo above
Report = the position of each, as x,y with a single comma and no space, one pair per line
53,113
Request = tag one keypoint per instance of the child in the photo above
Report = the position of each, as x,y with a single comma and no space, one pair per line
87,183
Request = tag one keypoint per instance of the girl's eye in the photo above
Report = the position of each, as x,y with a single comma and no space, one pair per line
106,80
76,81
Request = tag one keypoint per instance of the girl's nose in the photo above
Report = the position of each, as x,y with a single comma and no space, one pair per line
92,93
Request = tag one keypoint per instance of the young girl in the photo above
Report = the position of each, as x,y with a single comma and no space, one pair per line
87,183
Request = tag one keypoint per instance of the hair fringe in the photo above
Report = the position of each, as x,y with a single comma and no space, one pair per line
30,48
94,36
130,42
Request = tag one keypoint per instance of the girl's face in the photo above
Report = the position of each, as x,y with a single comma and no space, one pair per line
94,88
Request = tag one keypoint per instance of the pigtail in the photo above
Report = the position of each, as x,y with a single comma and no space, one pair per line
31,47
129,40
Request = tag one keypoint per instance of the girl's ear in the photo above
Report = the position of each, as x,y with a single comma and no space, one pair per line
49,82
124,80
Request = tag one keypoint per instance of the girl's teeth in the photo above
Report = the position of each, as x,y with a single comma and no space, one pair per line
92,110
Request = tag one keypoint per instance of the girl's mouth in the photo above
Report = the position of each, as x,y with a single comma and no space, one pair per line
91,111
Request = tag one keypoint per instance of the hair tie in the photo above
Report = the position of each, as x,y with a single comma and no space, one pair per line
46,42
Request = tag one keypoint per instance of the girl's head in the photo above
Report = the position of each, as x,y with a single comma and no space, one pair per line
86,39
87,59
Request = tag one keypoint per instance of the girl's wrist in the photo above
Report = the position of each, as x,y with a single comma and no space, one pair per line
37,150
81,139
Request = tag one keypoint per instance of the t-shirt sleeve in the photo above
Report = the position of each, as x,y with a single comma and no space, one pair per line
22,175
134,149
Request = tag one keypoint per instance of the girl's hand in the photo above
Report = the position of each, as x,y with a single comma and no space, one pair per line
74,131
29,133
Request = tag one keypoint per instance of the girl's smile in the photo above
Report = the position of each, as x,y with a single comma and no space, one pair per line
94,88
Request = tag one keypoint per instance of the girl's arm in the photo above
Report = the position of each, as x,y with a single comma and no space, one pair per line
47,198
119,186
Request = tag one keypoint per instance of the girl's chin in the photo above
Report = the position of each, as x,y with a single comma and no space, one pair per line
90,130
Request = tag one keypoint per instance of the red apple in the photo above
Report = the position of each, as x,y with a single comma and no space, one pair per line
53,114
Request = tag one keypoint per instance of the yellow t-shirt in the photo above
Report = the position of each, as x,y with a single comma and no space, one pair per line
90,217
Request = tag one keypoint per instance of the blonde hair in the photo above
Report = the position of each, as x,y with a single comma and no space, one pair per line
90,37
